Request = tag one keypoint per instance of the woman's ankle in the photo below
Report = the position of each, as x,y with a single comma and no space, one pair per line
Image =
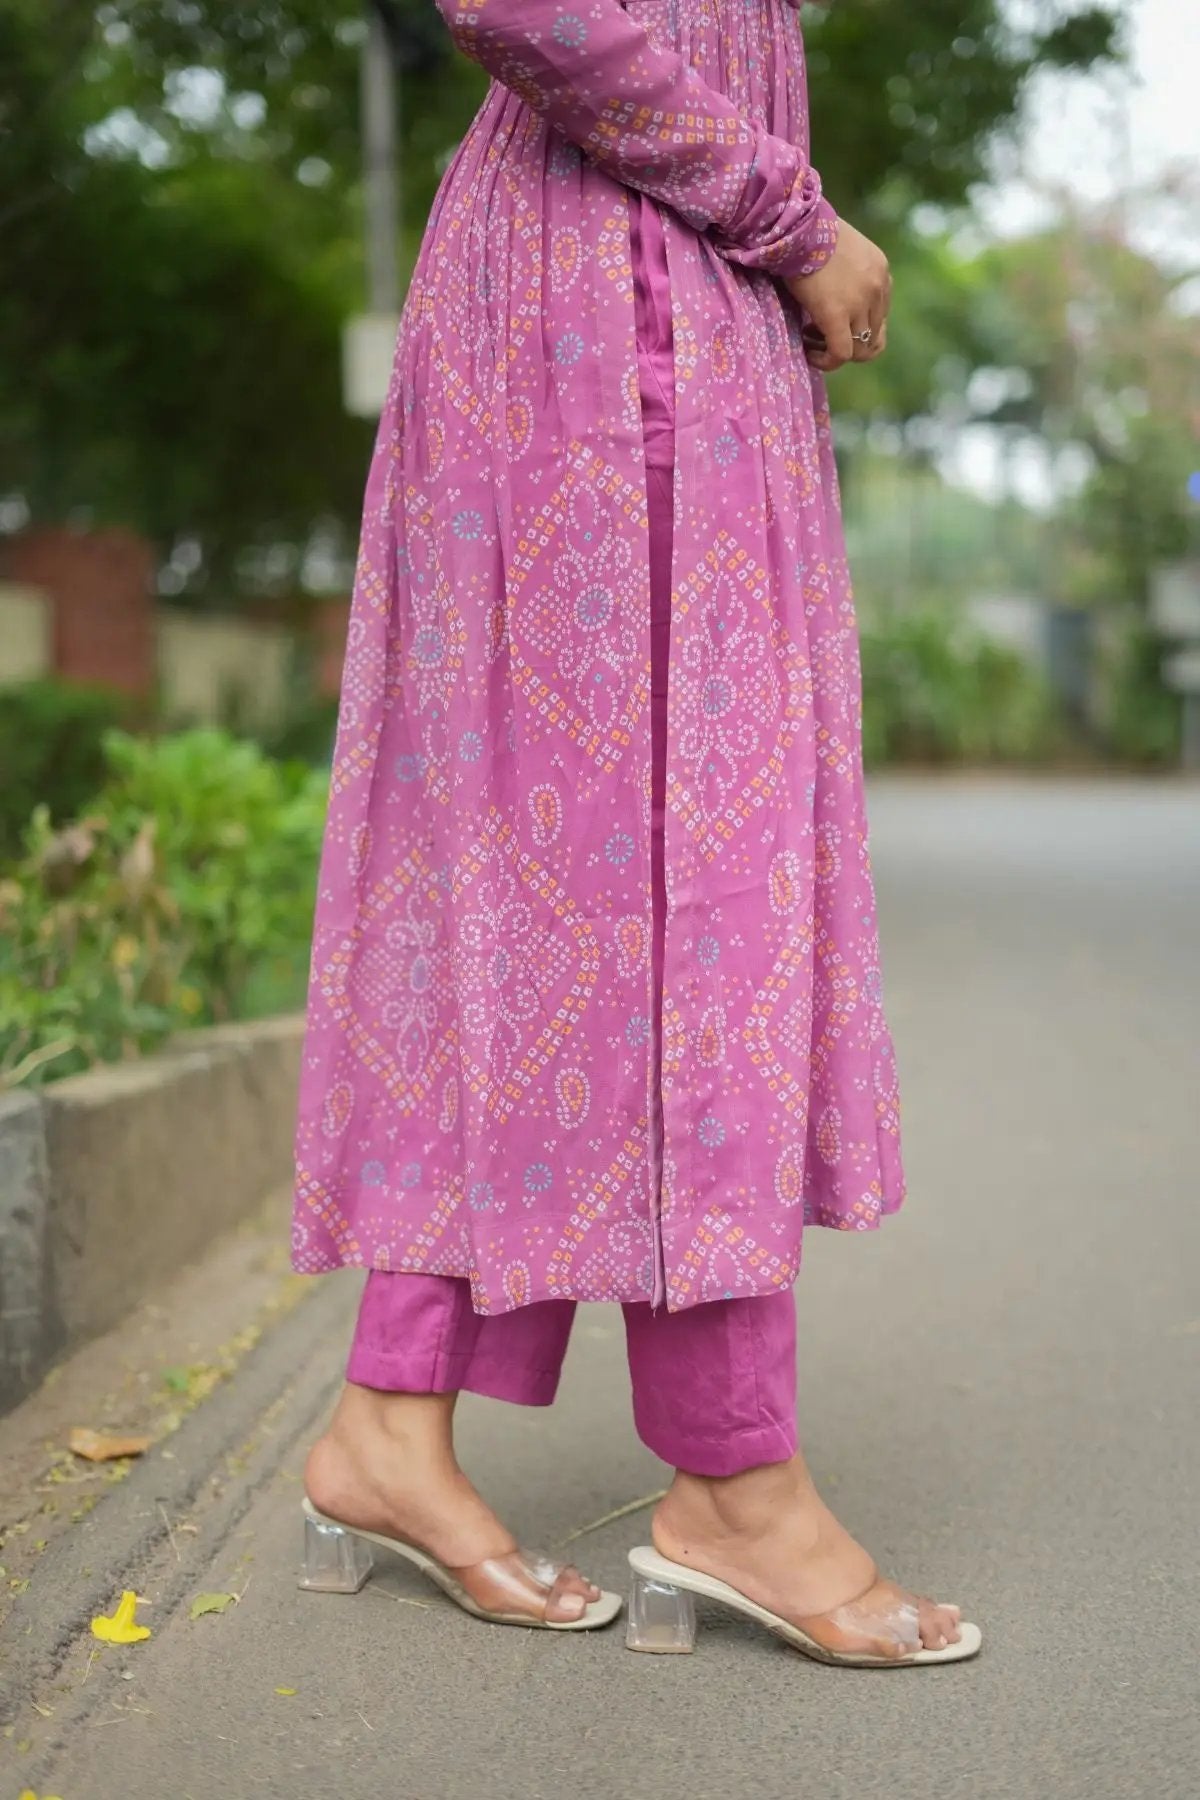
425,1420
375,1440
714,1510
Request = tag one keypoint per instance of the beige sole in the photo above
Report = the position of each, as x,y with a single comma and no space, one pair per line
653,1567
596,1614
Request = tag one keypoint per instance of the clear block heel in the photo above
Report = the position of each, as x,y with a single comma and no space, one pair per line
336,1561
662,1619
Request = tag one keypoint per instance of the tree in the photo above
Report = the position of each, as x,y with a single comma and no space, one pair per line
1108,353
179,207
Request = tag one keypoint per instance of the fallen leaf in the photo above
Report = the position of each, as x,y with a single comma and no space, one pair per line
210,1603
122,1628
286,1692
98,1446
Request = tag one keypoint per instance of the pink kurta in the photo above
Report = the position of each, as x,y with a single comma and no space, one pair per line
490,1086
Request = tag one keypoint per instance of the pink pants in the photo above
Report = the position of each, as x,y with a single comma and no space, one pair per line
714,1387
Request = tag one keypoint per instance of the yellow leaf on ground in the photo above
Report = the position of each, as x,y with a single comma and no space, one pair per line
286,1692
122,1627
98,1446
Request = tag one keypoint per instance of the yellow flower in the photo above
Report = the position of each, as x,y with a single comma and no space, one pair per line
28,1794
121,1628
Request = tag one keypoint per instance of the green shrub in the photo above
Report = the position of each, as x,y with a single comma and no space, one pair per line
51,752
307,734
183,895
1143,719
936,692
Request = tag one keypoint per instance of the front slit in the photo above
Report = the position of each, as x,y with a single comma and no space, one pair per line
656,379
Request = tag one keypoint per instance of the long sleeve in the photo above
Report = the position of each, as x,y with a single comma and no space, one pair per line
646,117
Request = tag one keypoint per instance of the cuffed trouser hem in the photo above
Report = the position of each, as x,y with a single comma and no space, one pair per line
732,1455
418,1372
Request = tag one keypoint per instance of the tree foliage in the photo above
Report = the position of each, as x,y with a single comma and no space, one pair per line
179,214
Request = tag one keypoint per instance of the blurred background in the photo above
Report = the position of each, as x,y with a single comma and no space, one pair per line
206,216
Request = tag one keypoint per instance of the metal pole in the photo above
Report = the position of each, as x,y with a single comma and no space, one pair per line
380,187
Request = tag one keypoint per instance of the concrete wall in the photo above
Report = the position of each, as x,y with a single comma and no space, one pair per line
112,1180
28,1337
100,590
212,668
26,647
81,606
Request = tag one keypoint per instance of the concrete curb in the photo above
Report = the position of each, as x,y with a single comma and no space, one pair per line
27,1334
111,1180
85,1571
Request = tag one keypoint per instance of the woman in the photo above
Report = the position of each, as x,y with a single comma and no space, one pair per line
595,998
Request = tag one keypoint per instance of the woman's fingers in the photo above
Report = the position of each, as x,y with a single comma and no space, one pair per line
839,345
870,329
846,298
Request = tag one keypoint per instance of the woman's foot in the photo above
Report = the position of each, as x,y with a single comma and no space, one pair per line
768,1534
387,1464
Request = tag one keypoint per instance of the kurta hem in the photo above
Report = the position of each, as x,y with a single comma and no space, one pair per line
514,1247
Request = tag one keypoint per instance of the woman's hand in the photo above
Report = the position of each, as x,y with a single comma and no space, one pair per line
850,296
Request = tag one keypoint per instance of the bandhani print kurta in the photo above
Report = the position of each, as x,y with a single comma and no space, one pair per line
476,1090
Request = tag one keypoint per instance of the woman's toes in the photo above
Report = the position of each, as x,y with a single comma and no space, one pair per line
938,1625
568,1605
575,1583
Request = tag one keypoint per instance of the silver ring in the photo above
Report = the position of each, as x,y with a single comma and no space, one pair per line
863,337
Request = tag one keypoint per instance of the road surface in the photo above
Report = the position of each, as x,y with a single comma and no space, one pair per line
999,1393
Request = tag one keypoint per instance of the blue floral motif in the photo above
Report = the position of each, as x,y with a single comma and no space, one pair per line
564,159
538,1177
708,950
409,767
410,1175
637,1030
619,848
470,746
569,348
570,30
467,524
481,1196
593,607
726,449
419,975
429,646
373,1174
711,1132
717,696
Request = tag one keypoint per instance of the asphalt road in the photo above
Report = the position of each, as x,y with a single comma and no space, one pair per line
999,1392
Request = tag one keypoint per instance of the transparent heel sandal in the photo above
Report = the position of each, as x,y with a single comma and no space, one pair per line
336,1561
516,1589
662,1619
